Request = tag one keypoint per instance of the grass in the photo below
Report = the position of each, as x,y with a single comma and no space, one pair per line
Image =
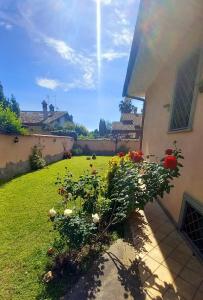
25,231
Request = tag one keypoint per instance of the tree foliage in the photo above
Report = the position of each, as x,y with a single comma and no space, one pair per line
126,106
9,103
102,127
9,122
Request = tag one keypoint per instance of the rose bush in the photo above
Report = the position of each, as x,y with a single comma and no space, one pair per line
92,205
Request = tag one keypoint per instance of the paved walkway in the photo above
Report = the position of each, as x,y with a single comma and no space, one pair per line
155,264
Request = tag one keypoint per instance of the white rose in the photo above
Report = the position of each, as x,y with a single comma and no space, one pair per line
140,181
48,277
67,212
142,185
52,213
69,195
95,218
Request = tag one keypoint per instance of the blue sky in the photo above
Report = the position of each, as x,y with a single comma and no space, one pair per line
49,50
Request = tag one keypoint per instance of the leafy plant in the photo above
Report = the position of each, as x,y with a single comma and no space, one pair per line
133,181
126,106
77,150
36,159
92,206
123,148
94,156
67,155
9,122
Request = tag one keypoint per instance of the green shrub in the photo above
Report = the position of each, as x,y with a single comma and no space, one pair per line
9,122
123,149
77,150
133,182
36,160
94,156
92,206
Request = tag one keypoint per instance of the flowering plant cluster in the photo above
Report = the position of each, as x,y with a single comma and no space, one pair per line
77,217
134,181
91,205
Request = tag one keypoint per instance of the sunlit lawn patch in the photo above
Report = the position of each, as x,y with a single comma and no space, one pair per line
24,226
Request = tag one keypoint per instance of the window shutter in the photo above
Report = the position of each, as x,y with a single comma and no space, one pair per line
184,91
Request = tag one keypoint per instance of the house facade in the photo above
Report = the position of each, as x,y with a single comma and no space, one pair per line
166,68
130,126
45,120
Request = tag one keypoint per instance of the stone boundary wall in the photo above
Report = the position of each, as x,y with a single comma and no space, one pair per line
107,146
14,157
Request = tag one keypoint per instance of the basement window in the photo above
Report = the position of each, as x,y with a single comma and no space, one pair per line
192,223
185,94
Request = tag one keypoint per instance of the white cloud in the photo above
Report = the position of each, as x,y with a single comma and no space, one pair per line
48,83
122,18
6,25
111,55
84,64
122,38
61,48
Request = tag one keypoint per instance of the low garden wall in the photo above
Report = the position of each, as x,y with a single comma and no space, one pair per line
15,151
107,146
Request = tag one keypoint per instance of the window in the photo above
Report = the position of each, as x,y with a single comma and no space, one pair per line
184,94
192,223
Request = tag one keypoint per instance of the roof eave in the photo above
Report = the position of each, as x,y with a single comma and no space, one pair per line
133,55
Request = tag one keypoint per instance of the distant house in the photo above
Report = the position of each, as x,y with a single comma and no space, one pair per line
166,68
130,126
43,121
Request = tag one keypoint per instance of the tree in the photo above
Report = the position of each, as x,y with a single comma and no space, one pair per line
9,122
3,101
102,127
10,103
95,133
68,126
81,130
126,106
108,127
14,106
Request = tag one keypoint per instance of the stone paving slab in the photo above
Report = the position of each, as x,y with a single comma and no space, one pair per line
156,263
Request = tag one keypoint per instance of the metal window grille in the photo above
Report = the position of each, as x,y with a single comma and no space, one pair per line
184,91
192,227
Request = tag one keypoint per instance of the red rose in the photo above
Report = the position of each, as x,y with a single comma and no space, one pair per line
169,151
140,153
121,154
170,162
61,191
136,156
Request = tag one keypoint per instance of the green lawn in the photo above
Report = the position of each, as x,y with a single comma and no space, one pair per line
24,227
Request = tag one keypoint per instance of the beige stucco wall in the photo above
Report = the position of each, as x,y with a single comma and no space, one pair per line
107,146
14,157
156,137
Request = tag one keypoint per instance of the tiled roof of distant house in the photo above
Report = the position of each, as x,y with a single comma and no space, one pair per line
37,117
118,126
54,116
136,118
